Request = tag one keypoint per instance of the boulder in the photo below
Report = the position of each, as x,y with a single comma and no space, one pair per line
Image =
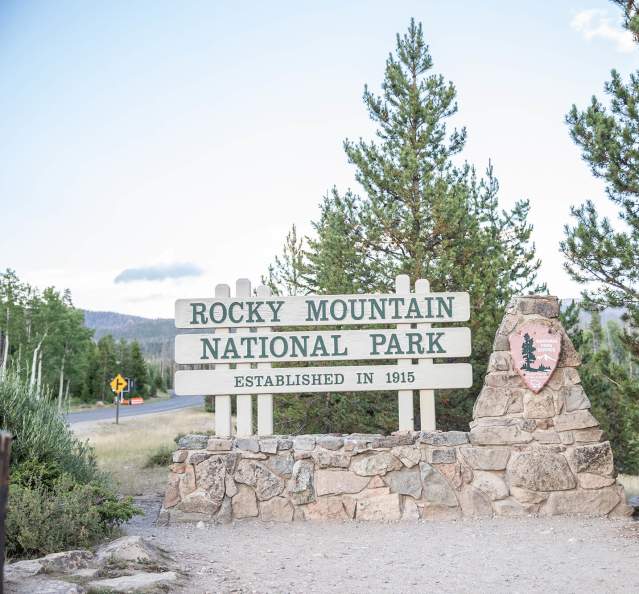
328,507
409,456
327,458
333,482
249,444
410,511
330,442
138,582
594,458
131,549
217,444
210,475
540,470
443,438
268,484
303,442
406,481
588,435
244,504
597,502
43,585
579,419
276,509
282,464
573,398
172,493
197,456
491,484
594,481
269,445
499,435
474,503
436,489
376,463
491,402
193,442
442,456
484,458
382,507
300,485
199,502
187,481
539,406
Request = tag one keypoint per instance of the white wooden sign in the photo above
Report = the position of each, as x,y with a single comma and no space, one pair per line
329,310
238,340
353,378
322,346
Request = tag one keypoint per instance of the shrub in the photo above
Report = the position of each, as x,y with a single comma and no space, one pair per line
162,456
58,499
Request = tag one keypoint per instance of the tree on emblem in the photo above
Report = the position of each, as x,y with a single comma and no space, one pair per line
528,353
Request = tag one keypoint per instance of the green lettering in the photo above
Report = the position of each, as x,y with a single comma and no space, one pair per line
316,312
198,309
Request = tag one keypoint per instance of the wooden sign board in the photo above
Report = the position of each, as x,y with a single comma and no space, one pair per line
324,379
329,310
322,346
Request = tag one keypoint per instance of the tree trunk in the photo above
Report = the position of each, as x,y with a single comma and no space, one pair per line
35,380
61,387
39,379
66,395
5,354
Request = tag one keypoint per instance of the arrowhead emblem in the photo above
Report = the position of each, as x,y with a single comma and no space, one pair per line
535,350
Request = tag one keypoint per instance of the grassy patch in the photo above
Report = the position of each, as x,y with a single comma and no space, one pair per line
124,450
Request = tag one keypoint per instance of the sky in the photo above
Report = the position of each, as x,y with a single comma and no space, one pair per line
151,150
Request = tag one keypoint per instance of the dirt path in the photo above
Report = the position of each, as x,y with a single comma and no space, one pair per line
499,555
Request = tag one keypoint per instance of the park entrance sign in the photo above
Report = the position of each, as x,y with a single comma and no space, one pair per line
239,332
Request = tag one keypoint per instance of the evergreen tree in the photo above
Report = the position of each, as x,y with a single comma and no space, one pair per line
528,352
420,214
138,370
599,253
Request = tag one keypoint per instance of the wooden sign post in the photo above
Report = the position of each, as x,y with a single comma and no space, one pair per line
243,358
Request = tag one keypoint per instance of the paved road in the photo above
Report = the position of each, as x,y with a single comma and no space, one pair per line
172,403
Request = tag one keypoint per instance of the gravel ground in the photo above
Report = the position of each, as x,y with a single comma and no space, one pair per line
491,555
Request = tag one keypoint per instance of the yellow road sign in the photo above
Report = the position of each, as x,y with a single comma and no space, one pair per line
118,384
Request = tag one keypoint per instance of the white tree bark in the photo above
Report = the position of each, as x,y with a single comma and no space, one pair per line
61,387
39,381
35,381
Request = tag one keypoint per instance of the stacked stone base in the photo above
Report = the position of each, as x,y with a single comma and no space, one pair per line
405,476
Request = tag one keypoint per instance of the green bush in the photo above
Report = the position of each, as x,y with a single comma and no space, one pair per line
58,499
161,457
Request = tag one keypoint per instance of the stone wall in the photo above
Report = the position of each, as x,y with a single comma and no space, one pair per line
526,453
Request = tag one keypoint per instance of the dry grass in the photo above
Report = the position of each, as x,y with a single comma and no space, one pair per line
630,484
124,449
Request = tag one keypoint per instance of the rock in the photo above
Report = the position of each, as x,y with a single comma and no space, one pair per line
408,455
526,496
452,473
326,508
442,456
567,437
594,481
172,493
179,456
282,464
137,582
376,482
491,484
225,514
244,503
277,509
326,458
193,442
443,438
573,398
474,503
43,585
357,443
440,512
588,435
300,485
563,376
66,561
579,501
304,442
540,470
328,482
377,463
594,458
218,444
199,502
384,507
210,476
268,484
436,489
406,481
131,549
509,508
546,436
230,486
491,402
200,525
269,445
245,473
499,435
501,343
22,569
507,325
231,461
486,458
539,406
187,481
284,443
249,444
177,468
516,401
568,357
177,516
545,306
410,511
499,361
330,442
197,456
402,438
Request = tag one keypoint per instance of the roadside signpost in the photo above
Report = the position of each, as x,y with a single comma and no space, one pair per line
239,340
118,385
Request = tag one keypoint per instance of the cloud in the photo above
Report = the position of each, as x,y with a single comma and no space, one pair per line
158,273
594,23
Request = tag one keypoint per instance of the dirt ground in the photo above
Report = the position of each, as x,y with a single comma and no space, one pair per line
581,555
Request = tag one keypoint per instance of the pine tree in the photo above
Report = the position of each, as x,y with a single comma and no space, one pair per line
423,215
528,353
597,251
